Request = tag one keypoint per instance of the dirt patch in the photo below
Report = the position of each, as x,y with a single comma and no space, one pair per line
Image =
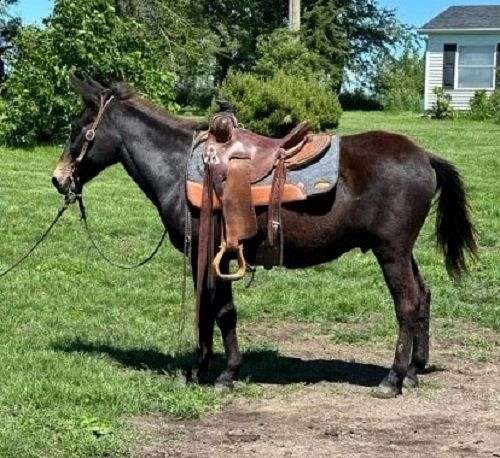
332,410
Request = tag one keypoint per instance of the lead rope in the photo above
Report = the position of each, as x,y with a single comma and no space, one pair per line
16,264
188,243
83,213
181,331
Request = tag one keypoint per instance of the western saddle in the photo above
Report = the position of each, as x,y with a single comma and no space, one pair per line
236,161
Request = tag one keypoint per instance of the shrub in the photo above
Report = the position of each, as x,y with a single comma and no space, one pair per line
359,100
482,106
442,109
272,106
495,100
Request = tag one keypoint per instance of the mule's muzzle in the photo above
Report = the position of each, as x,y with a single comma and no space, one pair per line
66,186
61,188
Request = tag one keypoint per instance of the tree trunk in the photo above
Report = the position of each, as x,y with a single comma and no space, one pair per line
294,15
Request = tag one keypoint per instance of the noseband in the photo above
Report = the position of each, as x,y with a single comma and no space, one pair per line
90,136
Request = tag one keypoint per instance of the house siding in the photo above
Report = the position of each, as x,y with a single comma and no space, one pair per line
434,66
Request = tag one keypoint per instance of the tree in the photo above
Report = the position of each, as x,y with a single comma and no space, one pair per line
399,81
349,34
238,24
9,26
37,103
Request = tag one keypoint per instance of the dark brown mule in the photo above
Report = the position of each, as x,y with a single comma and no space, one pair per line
384,193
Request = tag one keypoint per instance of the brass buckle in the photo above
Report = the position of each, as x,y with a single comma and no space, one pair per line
90,135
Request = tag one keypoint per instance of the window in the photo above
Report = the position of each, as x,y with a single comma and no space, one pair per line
476,67
449,52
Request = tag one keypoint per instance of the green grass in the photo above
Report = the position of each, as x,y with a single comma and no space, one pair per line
83,346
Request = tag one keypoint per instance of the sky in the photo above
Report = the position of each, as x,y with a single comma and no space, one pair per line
414,12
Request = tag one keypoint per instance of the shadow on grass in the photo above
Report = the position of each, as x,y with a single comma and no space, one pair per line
259,366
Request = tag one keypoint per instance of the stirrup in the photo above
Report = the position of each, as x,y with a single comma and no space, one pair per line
242,265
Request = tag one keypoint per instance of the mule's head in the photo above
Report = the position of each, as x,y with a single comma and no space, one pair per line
103,150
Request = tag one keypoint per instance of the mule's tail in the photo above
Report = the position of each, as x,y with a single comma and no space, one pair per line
454,229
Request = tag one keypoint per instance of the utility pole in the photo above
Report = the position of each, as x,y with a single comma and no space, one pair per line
294,15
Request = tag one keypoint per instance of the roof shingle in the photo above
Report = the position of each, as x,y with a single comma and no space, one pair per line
466,17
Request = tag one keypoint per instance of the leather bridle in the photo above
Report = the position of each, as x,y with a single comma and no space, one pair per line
89,136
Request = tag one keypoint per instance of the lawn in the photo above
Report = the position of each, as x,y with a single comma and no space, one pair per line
84,347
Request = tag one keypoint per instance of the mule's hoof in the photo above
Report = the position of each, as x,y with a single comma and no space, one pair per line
223,387
387,390
411,379
196,376
224,383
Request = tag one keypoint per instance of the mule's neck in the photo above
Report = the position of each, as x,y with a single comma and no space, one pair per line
154,152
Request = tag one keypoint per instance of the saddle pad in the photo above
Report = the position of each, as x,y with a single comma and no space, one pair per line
317,177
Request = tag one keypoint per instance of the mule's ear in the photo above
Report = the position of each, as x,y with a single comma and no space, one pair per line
89,93
97,86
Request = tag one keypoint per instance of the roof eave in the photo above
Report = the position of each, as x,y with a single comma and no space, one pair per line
451,31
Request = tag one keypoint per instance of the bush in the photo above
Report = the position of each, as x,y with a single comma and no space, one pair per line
495,100
273,106
442,109
482,106
359,100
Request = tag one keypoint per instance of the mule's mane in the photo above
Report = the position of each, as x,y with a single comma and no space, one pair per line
126,93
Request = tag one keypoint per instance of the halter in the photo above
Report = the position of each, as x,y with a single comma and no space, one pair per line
73,196
90,133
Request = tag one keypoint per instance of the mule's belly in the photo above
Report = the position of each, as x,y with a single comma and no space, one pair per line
314,231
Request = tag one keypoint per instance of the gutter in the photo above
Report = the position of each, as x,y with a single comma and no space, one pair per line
463,31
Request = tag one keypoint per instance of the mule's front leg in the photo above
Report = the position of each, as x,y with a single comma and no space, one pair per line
401,282
206,324
226,318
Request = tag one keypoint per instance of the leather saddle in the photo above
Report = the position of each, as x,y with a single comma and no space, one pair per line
235,162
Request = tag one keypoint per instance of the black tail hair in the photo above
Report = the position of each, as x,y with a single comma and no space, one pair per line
454,229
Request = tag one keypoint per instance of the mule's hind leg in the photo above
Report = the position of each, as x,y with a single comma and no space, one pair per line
420,354
398,274
420,351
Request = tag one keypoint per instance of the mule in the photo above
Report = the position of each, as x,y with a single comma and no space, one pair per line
385,190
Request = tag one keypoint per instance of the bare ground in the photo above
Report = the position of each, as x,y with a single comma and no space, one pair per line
316,398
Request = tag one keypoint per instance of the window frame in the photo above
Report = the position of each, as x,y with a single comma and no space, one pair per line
493,67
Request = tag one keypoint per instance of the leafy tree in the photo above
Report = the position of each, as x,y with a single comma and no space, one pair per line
90,36
399,82
345,33
182,30
238,24
8,29
284,50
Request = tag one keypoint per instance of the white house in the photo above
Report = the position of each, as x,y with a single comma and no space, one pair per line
463,53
